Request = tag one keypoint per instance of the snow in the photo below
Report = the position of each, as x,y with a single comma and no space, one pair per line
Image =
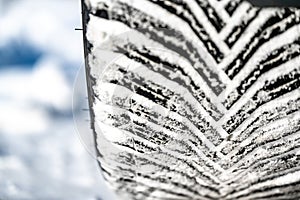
43,153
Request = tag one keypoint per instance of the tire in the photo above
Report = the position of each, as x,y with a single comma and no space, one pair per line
195,99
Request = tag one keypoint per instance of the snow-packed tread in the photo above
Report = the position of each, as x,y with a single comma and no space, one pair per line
198,100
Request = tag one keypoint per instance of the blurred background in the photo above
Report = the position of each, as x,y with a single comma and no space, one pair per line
42,156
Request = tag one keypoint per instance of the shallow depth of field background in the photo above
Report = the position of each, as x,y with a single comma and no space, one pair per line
41,155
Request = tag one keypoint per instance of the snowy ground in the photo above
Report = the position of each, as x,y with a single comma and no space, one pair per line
41,154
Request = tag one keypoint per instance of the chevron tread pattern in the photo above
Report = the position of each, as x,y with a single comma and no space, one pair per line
201,100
